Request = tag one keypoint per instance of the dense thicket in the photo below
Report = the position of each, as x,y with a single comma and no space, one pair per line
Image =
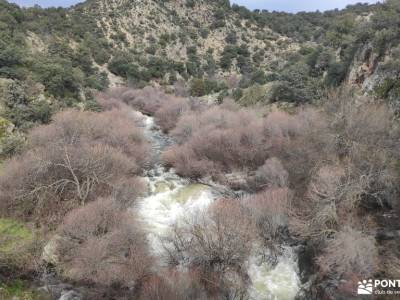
166,108
78,157
326,176
220,140
54,58
103,244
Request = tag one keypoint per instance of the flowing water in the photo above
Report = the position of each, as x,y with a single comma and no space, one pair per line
171,199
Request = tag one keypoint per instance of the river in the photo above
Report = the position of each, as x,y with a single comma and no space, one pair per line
171,199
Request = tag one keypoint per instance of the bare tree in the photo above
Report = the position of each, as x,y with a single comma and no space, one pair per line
216,241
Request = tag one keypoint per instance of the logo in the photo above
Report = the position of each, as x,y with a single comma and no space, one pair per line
365,287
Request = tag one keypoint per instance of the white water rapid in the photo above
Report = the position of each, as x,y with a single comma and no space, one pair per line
171,199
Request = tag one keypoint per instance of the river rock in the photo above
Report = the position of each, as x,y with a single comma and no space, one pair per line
70,295
50,252
236,180
383,235
305,262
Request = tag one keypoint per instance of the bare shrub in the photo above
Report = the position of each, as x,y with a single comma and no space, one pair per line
126,190
300,142
172,285
350,251
147,100
166,108
102,244
95,219
280,124
271,174
215,244
110,100
168,114
325,184
360,120
180,89
367,141
223,139
216,241
113,128
390,259
70,162
228,139
270,211
348,162
44,185
318,216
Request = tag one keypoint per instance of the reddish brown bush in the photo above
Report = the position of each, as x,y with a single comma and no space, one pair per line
271,174
194,284
216,244
219,140
226,139
325,184
270,212
214,241
166,108
147,100
173,285
280,124
350,251
169,113
69,162
102,244
181,89
111,100
126,190
367,142
113,128
300,142
350,166
318,216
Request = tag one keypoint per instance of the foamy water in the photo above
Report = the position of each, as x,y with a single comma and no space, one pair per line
280,282
172,199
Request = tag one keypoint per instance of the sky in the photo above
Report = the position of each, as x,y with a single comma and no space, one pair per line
279,5
298,5
46,3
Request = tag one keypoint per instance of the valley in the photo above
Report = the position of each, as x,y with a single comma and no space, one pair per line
178,149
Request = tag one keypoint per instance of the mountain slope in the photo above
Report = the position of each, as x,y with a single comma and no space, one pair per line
55,58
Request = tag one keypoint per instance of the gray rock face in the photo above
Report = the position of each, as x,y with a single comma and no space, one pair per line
364,67
369,70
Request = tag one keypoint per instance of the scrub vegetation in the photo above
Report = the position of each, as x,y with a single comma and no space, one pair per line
291,119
